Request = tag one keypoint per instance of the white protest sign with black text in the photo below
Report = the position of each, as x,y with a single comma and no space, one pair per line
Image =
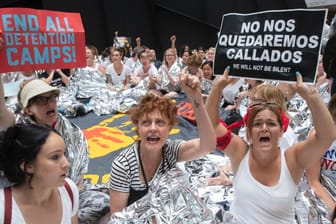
271,45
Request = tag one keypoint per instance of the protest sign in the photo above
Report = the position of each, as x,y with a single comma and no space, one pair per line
41,39
271,45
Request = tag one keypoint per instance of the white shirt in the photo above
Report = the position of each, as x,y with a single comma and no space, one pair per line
68,209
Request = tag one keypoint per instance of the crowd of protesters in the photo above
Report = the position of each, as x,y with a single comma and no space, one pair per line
122,68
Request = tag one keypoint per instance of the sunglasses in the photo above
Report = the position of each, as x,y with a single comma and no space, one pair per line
43,100
264,103
254,100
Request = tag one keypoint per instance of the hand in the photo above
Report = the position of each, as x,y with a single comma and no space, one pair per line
152,82
164,67
223,177
223,80
173,38
303,89
190,84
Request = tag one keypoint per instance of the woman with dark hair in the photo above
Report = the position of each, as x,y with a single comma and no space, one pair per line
33,158
206,82
118,74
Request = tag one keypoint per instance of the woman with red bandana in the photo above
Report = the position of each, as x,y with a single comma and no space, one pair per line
266,178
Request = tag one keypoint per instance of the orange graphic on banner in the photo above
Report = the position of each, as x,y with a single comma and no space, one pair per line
185,109
104,140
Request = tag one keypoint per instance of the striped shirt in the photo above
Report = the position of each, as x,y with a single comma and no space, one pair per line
125,167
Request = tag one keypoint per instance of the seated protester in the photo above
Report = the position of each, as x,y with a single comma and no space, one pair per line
266,178
92,63
118,74
57,78
134,169
39,106
152,57
259,93
325,167
231,92
206,82
210,54
182,61
145,70
193,67
106,56
201,52
33,158
167,80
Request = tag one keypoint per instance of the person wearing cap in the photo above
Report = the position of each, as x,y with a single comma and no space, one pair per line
38,102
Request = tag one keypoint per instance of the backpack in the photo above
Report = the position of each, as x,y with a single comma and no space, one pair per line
8,201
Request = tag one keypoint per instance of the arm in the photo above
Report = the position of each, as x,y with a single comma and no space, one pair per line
7,118
74,219
313,176
206,142
236,149
118,200
65,79
173,42
102,69
50,76
138,44
305,153
126,83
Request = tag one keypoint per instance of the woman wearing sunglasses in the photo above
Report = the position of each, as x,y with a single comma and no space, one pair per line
265,177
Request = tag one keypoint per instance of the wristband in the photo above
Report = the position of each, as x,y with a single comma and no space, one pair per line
224,141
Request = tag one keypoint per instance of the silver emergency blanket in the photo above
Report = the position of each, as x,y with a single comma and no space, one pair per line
171,196
182,196
76,145
88,91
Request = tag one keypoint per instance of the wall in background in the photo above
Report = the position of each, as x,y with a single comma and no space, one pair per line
194,22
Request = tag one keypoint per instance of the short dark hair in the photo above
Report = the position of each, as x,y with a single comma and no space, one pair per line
21,143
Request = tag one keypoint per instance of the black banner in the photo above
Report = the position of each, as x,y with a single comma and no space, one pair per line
271,45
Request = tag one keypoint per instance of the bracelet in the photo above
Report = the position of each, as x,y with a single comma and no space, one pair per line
224,141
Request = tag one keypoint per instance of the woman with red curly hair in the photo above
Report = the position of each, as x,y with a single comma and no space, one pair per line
134,169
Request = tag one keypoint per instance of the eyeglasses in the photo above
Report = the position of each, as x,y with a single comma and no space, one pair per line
43,100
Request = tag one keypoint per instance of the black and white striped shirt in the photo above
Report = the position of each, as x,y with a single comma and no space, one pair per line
125,167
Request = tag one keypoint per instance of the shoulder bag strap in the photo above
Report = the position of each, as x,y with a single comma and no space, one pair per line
8,205
68,188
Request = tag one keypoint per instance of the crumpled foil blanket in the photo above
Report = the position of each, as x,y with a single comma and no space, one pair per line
88,91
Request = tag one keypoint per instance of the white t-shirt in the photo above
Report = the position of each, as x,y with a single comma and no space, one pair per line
68,209
118,79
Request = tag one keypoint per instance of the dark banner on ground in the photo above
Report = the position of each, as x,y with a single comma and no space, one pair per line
41,39
108,135
271,45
